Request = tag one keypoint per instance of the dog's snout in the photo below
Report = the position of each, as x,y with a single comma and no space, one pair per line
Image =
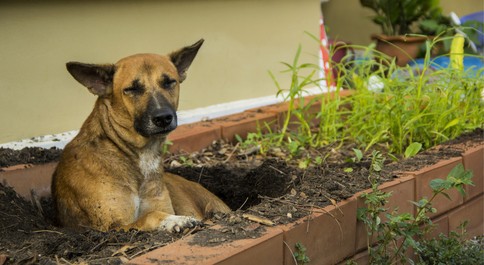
163,119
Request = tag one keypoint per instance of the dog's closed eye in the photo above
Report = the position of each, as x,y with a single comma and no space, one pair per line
136,88
167,82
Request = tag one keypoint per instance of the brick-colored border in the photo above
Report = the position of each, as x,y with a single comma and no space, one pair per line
328,235
473,160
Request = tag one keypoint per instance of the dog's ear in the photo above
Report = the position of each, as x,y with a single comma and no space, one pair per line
184,57
98,78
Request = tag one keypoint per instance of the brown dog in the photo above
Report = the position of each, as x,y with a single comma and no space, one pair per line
110,175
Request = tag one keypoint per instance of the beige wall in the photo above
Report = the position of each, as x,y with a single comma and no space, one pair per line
347,20
243,40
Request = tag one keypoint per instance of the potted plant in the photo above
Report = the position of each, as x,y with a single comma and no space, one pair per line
398,20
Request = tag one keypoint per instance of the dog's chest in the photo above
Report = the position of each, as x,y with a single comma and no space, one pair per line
149,163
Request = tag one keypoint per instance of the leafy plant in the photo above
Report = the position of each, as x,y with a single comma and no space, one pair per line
396,17
424,105
300,254
452,249
186,161
391,108
391,234
434,23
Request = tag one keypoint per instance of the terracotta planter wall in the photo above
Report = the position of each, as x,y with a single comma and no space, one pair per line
331,234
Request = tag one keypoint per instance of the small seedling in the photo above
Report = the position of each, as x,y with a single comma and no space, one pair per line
358,155
300,254
165,149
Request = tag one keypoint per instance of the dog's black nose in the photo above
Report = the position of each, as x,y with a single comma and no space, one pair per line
163,119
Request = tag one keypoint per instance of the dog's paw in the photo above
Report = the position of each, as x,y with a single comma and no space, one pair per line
178,223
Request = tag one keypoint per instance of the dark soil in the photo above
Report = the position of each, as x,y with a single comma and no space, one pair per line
271,187
28,155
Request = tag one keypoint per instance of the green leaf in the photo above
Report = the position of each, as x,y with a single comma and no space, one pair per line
437,184
457,172
358,155
412,149
447,196
461,190
348,170
303,164
451,123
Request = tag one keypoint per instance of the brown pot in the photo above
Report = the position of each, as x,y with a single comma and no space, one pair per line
403,48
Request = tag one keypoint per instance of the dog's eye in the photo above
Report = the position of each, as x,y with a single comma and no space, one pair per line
168,83
134,90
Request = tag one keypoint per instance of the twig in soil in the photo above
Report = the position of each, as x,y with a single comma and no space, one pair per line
303,177
246,199
189,232
309,218
132,235
7,227
252,150
257,219
290,250
48,231
98,245
341,185
231,153
57,261
200,175
277,170
333,202
35,200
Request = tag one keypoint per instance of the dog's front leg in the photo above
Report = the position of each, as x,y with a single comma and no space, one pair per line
155,211
158,220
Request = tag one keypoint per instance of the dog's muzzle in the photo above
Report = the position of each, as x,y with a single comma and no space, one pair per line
165,120
157,122
159,118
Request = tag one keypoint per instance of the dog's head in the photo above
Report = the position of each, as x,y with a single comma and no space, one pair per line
142,90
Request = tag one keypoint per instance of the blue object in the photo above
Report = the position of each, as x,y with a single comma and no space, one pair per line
444,61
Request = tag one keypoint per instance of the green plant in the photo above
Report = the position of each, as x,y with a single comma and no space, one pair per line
186,161
165,148
437,24
261,140
391,234
358,155
424,105
300,254
392,108
451,249
396,17
434,23
326,120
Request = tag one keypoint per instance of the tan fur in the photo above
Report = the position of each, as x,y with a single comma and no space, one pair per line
110,176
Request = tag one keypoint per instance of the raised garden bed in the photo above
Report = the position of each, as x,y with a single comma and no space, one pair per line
315,207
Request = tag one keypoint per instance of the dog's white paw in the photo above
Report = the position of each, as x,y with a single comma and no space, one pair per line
177,223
